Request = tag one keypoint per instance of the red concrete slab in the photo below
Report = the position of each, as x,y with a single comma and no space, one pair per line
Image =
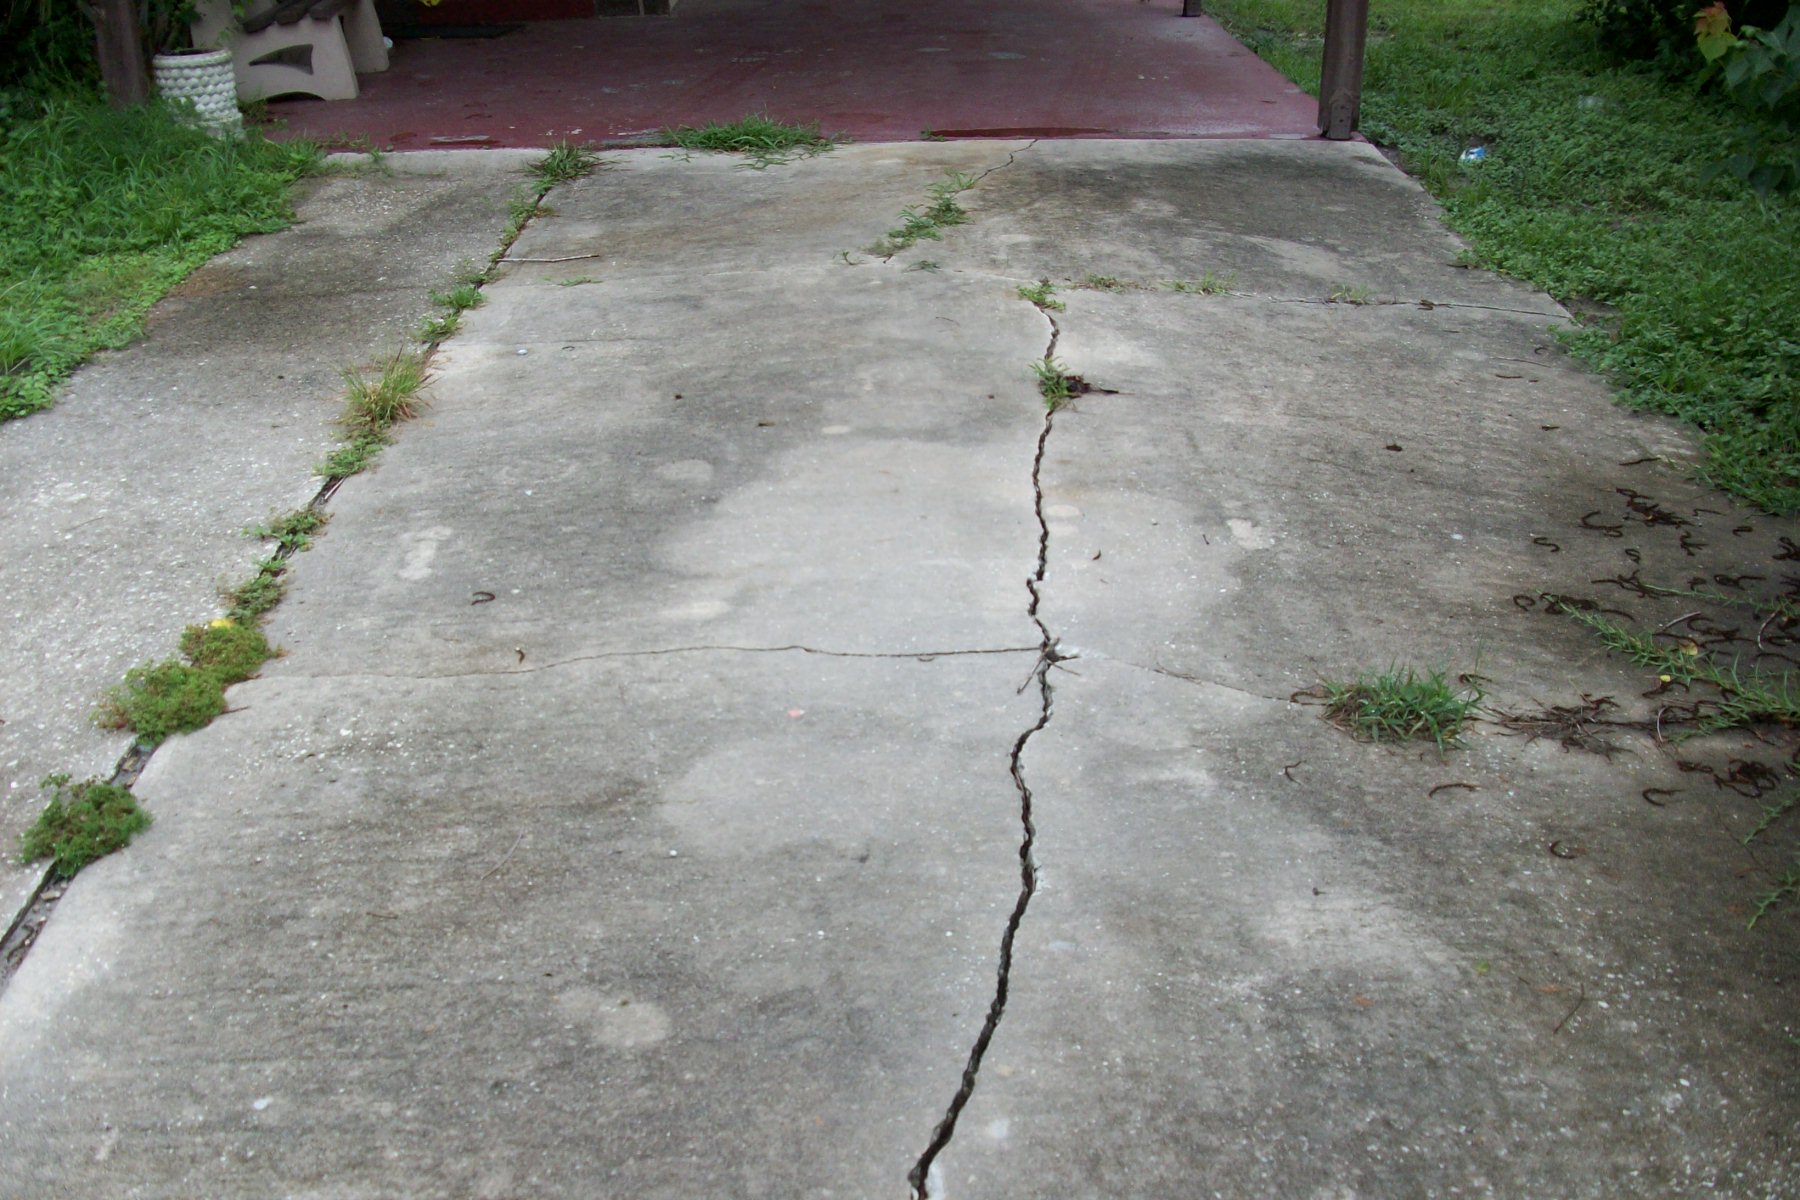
872,70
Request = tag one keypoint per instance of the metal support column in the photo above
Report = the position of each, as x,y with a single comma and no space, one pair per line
1341,74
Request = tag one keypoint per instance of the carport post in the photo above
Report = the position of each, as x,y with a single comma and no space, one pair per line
1340,76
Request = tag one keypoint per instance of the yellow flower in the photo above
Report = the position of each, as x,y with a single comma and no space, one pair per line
221,623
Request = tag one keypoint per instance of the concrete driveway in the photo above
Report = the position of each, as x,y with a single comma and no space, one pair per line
739,744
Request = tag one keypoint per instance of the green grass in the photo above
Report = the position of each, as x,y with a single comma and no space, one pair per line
1055,384
82,822
372,407
1043,294
248,601
941,211
1401,705
231,651
1732,696
1350,293
1740,697
158,700
762,141
376,405
1209,284
1597,190
452,304
292,530
563,163
101,213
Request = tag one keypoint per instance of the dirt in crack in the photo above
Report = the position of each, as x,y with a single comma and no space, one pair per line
1048,656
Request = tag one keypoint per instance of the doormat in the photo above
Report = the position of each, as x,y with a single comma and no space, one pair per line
415,32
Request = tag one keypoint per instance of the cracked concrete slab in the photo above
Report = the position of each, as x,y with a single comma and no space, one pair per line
126,503
503,944
640,806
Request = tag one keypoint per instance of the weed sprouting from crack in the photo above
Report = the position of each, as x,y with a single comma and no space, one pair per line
1209,284
1401,704
928,223
564,162
292,530
82,822
1105,283
1043,295
762,141
1054,382
372,407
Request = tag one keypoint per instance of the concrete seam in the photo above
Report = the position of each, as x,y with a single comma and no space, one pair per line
923,656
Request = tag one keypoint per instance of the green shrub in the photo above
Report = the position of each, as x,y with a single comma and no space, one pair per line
81,823
1663,30
1761,71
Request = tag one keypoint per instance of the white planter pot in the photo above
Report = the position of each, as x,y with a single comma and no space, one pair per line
204,77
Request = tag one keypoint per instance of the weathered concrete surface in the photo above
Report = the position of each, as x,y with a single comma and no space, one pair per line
634,812
126,504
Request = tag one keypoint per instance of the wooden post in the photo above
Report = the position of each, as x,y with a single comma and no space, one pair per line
120,46
1191,8
1341,74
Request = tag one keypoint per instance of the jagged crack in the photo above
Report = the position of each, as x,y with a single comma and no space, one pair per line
1048,656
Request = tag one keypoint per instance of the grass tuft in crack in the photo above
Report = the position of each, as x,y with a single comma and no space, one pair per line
564,162
928,224
82,822
1043,294
763,141
292,530
1209,284
454,303
1055,384
249,601
1401,704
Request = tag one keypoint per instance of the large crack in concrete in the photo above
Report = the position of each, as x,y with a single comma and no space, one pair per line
921,1176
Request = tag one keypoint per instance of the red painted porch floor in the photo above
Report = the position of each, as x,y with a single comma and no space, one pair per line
872,70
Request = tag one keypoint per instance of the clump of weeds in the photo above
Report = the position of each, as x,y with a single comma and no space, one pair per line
372,407
453,304
1350,293
231,651
82,822
158,700
928,223
1402,704
1043,294
248,601
563,163
292,530
1209,284
763,142
1055,384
